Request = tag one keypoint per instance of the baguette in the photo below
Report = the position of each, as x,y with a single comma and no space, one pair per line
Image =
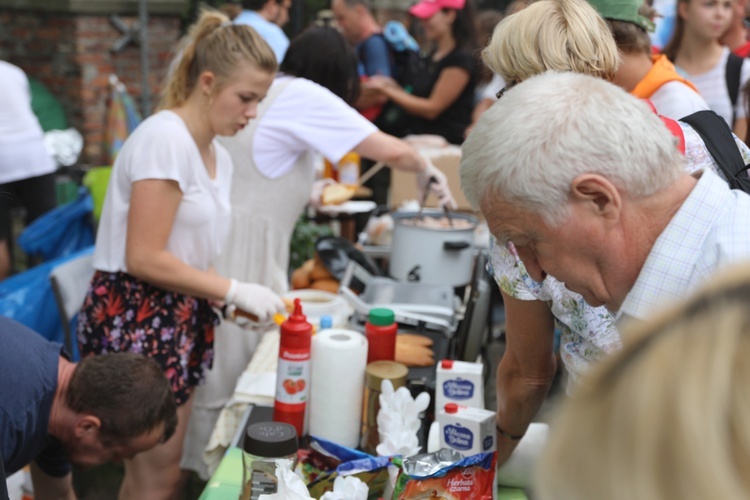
414,338
414,355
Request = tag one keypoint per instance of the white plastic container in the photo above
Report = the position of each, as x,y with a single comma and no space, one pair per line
459,382
319,303
467,430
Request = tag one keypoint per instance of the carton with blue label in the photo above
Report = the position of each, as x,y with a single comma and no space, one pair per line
465,429
459,382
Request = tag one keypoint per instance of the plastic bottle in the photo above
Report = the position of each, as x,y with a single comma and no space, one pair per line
380,331
349,169
293,375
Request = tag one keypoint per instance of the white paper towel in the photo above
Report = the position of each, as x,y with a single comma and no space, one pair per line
518,470
337,381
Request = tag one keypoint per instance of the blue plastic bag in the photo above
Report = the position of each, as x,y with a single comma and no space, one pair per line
28,298
62,231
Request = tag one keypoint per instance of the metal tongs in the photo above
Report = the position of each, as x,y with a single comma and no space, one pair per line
426,193
447,211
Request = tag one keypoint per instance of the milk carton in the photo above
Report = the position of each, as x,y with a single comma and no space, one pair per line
467,430
459,382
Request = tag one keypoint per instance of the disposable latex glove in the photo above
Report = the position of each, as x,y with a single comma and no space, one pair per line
316,194
347,488
439,185
290,485
255,299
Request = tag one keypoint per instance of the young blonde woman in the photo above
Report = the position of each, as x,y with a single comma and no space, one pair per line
442,102
667,416
164,222
697,53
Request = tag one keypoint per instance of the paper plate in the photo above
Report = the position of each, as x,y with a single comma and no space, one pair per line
349,207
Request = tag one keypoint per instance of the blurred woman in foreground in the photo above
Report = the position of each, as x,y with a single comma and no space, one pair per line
667,417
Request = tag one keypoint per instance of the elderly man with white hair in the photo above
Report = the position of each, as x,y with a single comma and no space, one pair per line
588,186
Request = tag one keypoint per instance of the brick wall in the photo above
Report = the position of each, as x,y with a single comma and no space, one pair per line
70,54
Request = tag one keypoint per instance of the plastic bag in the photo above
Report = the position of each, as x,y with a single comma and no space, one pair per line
62,231
28,298
325,461
446,474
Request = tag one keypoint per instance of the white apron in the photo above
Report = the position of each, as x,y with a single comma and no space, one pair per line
264,213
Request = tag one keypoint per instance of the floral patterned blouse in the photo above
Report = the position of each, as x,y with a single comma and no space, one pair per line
588,332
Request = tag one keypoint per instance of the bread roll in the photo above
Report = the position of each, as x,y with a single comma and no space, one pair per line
300,278
320,273
308,265
335,194
328,285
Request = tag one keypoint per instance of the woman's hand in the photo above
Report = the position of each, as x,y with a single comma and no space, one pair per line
434,179
258,300
380,83
316,193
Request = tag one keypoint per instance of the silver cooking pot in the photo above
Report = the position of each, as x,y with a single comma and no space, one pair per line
432,255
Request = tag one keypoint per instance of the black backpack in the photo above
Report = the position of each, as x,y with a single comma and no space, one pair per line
410,68
719,141
733,77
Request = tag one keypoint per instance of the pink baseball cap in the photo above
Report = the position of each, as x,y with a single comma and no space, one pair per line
428,8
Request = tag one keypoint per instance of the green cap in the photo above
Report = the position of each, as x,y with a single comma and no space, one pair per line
623,10
381,317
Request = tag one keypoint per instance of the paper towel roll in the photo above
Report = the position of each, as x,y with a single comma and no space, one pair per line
518,470
337,381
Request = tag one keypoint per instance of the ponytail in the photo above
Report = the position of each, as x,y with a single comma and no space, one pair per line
214,44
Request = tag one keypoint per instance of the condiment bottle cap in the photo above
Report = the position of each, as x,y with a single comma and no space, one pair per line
326,322
381,317
270,439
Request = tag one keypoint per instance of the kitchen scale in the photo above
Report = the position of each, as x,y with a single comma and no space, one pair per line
432,307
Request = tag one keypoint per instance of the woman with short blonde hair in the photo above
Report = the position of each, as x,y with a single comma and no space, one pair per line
667,417
559,35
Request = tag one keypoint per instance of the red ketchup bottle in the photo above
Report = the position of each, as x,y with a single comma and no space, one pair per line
293,374
380,331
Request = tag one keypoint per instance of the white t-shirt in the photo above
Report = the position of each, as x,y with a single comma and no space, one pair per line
676,100
162,148
22,152
306,116
713,87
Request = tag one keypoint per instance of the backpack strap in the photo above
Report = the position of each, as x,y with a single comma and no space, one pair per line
719,141
733,78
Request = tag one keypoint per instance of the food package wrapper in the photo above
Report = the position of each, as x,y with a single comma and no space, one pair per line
398,420
347,488
326,461
446,474
518,470
290,485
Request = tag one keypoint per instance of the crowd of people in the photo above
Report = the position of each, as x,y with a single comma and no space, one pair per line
585,148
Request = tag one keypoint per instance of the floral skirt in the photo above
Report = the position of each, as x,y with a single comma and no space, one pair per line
124,314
